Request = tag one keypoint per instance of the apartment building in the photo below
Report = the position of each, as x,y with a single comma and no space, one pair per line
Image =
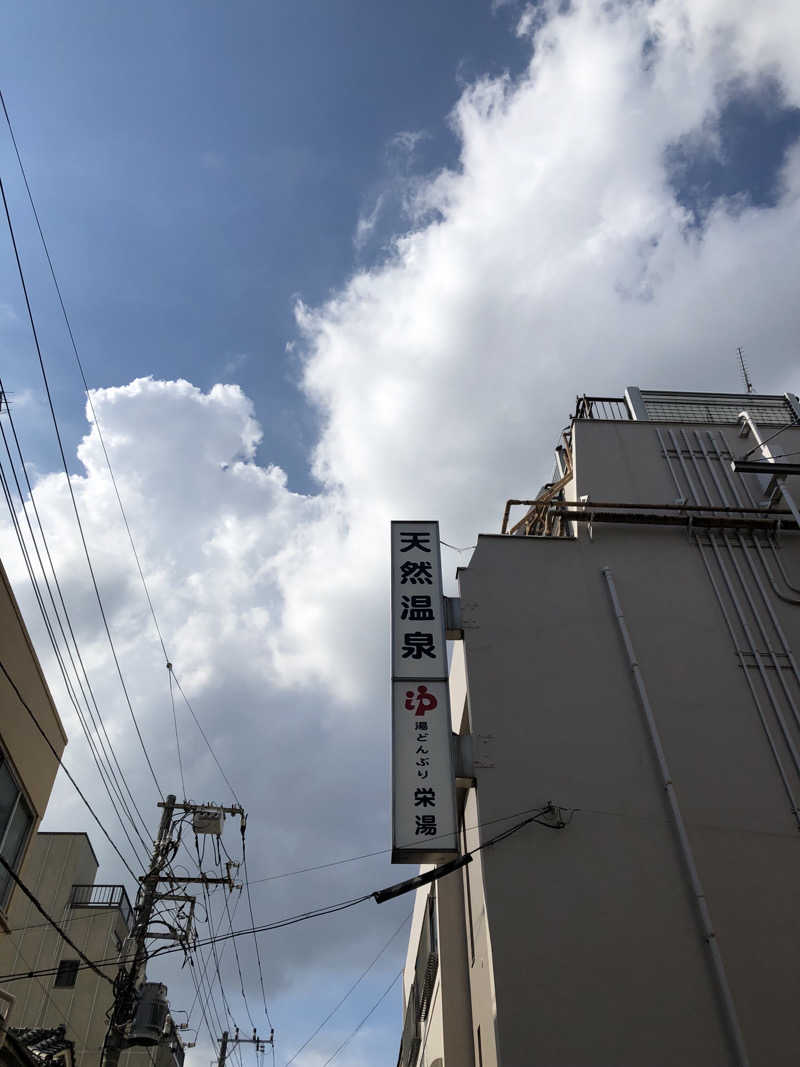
627,678
32,740
60,870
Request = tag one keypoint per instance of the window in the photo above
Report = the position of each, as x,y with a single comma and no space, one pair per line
16,821
480,1047
67,973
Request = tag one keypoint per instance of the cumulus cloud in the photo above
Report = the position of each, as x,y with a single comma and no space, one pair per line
556,258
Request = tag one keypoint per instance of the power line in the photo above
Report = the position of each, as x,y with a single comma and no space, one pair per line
255,939
108,776
329,909
355,984
69,485
238,962
204,962
203,734
77,356
51,635
87,390
62,765
373,1009
380,851
213,944
57,1007
783,455
455,548
62,934
332,909
175,723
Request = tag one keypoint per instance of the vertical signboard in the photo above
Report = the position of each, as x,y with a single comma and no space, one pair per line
423,786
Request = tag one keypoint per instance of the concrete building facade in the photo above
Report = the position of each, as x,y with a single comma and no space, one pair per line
60,870
629,670
31,742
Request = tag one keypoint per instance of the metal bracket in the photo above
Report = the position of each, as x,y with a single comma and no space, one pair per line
773,478
461,745
453,629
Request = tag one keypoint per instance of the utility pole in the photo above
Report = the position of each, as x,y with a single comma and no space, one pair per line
259,1042
223,1049
127,980
130,981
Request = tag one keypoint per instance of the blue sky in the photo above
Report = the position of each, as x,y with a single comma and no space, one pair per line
197,168
404,236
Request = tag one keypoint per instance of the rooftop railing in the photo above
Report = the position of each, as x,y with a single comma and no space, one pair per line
102,896
612,408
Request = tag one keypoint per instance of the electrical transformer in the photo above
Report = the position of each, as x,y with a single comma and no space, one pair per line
151,1015
207,821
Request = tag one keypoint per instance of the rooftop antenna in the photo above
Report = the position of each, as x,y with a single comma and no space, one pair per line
745,375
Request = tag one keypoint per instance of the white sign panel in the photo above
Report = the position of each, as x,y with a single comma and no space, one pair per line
423,785
418,644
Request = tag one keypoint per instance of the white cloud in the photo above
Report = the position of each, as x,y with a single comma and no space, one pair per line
554,260
366,224
235,362
406,141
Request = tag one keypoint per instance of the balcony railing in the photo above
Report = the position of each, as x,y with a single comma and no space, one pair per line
612,408
421,992
102,896
427,964
412,1036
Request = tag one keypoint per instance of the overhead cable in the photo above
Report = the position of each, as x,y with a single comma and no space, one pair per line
253,923
71,491
380,851
203,734
61,933
108,775
175,724
78,359
371,1011
355,984
101,439
62,765
331,909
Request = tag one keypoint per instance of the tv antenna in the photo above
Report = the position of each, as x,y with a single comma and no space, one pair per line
748,384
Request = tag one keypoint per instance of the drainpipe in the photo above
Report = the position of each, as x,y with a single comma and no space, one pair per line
703,913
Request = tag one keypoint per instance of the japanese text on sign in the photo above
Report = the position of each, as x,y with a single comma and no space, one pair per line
423,784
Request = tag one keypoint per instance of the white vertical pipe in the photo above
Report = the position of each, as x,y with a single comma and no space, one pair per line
790,744
743,482
704,915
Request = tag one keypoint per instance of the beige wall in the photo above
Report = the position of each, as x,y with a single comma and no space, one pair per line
56,862
29,754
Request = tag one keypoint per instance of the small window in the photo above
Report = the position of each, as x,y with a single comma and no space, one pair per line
67,974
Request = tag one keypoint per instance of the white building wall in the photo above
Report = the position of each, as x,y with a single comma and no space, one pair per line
583,944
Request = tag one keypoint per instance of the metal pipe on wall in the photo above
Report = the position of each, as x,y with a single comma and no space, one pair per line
787,650
724,453
759,710
734,487
754,653
704,915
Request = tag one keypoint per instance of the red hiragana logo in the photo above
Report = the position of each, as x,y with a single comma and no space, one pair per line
420,701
